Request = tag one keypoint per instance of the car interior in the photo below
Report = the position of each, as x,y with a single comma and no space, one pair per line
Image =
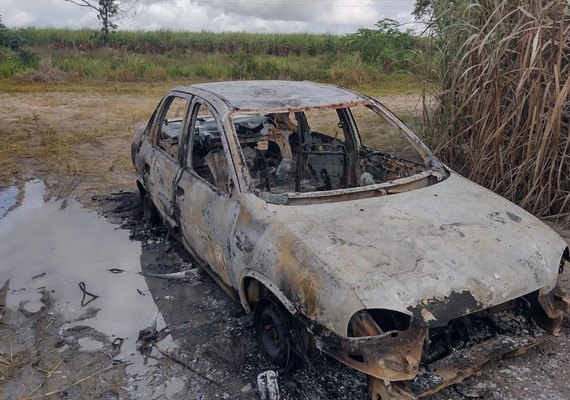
285,154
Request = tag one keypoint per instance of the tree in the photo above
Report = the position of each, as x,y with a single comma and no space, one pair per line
107,12
384,45
423,9
11,38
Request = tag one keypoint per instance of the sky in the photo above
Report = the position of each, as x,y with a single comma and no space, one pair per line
319,16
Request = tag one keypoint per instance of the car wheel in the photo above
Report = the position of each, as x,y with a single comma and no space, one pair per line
272,326
149,210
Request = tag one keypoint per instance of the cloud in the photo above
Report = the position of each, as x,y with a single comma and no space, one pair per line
21,18
351,13
47,13
270,10
333,16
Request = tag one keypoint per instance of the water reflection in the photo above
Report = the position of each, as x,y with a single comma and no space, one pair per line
44,247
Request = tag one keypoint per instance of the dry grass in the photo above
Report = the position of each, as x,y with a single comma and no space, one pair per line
504,111
31,145
73,135
45,73
63,389
11,364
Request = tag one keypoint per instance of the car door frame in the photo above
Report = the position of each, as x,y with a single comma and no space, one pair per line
205,214
161,161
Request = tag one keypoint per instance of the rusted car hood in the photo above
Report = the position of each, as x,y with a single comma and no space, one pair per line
450,248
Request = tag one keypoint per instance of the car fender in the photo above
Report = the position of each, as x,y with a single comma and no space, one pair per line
265,281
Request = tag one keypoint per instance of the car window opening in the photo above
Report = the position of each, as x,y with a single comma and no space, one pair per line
315,151
171,128
208,157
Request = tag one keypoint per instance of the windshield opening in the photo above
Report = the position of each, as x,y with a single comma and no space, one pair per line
323,150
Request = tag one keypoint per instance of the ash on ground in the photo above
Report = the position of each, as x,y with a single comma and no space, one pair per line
228,342
114,308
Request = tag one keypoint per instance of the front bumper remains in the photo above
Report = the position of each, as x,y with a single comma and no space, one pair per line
396,361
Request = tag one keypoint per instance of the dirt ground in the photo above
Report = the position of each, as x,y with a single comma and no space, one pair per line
83,314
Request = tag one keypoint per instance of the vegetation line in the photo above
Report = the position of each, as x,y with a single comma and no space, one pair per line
358,59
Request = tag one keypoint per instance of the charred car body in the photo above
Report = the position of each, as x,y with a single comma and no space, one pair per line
326,217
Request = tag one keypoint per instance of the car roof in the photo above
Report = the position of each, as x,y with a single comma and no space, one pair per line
277,94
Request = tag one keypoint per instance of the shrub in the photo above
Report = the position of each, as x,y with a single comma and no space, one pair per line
385,46
46,72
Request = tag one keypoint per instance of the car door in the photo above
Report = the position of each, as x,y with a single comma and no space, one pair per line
163,162
204,206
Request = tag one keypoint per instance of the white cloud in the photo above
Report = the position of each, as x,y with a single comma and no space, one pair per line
351,12
333,16
21,18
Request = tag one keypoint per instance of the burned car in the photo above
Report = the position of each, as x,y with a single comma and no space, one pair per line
339,230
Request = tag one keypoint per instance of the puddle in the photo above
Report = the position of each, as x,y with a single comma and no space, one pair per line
99,303
45,247
88,344
92,269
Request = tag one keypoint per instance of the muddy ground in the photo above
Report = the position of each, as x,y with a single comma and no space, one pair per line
84,314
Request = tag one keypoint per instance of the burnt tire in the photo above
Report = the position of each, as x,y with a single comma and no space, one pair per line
150,212
272,327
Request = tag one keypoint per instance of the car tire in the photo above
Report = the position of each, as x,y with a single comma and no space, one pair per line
272,327
149,210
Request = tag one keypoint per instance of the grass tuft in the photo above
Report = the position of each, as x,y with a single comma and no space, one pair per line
503,111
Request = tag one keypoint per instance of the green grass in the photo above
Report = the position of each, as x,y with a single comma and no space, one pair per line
122,67
160,56
163,41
